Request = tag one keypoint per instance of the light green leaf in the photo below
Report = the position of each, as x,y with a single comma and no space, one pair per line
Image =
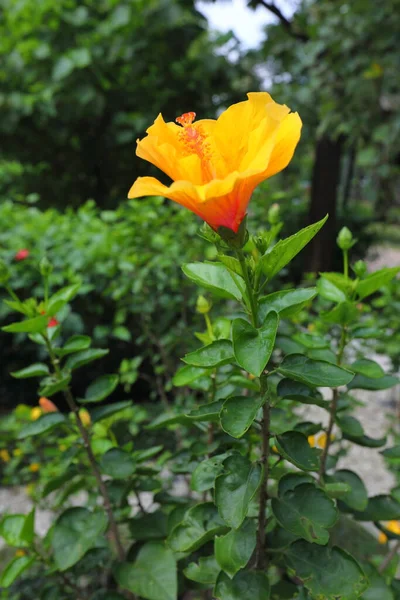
285,250
367,367
100,389
76,343
204,475
246,585
35,370
253,346
217,278
234,550
152,576
75,532
294,446
61,298
306,512
206,571
357,497
35,325
215,354
374,282
329,573
286,303
235,488
53,384
14,569
17,530
44,424
328,290
187,375
314,372
238,414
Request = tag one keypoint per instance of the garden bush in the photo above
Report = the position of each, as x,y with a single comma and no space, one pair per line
228,492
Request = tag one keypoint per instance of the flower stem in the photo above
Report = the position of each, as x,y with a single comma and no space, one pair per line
250,292
88,448
261,557
346,263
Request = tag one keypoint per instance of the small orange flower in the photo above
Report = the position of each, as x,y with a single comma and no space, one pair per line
216,164
85,417
47,405
36,412
34,467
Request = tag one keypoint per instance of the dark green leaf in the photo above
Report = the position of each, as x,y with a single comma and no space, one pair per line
350,426
215,354
152,576
314,372
238,413
380,508
200,524
285,250
100,389
102,412
393,452
378,588
357,497
75,532
291,480
367,367
35,370
76,343
84,357
246,585
330,573
362,382
217,278
235,488
206,571
206,412
44,424
306,512
253,346
53,384
295,390
117,463
151,526
234,550
204,475
294,446
287,302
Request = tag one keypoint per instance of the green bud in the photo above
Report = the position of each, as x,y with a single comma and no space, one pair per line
232,239
45,267
274,214
360,268
203,306
261,243
345,239
4,273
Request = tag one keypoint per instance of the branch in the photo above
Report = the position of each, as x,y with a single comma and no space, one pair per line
288,25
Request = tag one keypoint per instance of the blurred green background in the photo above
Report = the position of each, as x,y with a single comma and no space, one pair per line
81,80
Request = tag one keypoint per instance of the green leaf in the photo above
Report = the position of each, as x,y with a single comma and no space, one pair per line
206,412
76,343
35,370
362,382
350,426
103,412
357,497
152,576
44,424
204,475
187,375
291,480
84,357
374,282
61,298
14,569
216,278
294,446
328,290
306,512
238,413
234,550
380,508
205,572
285,250
232,263
286,303
200,524
343,314
295,390
253,346
310,340
74,533
149,526
246,585
117,463
18,530
393,452
314,372
235,488
378,588
329,573
215,354
100,389
367,367
35,325
51,385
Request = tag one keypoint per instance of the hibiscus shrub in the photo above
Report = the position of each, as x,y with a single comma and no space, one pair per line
228,493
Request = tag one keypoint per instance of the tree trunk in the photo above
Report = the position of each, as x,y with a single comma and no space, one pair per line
324,194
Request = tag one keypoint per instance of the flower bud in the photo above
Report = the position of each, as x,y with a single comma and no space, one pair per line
47,405
274,214
45,267
85,417
360,268
345,239
4,273
36,412
52,322
203,306
22,254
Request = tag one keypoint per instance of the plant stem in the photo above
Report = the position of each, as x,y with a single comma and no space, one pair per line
389,557
333,409
346,263
250,291
65,579
88,448
261,557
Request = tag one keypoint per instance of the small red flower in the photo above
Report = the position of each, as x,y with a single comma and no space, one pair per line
22,254
53,322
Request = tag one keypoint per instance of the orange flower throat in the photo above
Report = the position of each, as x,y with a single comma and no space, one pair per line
194,141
